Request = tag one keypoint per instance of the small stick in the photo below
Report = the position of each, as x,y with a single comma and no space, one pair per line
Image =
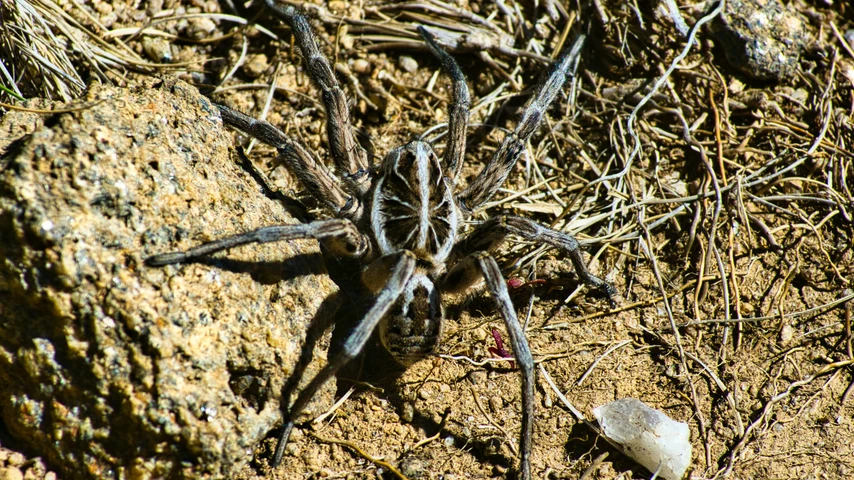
335,406
848,347
493,423
361,453
429,439
58,110
593,466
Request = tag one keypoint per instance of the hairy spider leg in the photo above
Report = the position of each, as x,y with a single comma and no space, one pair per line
349,157
313,175
490,179
489,235
465,273
339,233
458,110
394,287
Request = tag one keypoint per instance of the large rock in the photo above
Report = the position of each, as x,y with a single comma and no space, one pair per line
108,367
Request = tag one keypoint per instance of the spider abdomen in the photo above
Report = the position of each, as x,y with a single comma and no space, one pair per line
413,205
410,340
413,328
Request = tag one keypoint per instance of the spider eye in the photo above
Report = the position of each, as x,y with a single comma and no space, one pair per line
408,159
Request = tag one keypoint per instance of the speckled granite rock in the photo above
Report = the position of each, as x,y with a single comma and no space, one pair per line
109,368
761,38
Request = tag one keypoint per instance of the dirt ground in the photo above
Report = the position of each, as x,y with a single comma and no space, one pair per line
727,231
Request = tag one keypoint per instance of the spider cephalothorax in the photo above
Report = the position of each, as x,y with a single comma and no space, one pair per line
413,205
401,221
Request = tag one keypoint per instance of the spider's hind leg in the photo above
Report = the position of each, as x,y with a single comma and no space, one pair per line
481,264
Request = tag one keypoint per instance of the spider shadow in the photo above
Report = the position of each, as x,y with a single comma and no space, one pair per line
267,272
582,442
376,369
246,382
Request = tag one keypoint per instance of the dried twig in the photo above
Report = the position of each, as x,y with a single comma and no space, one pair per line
361,453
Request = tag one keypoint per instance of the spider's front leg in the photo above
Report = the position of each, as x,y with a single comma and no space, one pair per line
470,269
458,111
313,175
349,157
402,270
340,235
490,179
491,234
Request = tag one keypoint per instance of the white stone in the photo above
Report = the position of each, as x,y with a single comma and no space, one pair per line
648,436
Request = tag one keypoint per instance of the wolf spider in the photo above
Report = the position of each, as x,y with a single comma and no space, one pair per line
401,221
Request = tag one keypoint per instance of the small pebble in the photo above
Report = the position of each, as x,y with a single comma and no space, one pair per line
786,333
154,7
547,400
11,473
256,65
201,27
312,460
670,371
477,376
16,459
407,412
362,66
480,334
36,470
292,450
495,403
412,467
408,64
